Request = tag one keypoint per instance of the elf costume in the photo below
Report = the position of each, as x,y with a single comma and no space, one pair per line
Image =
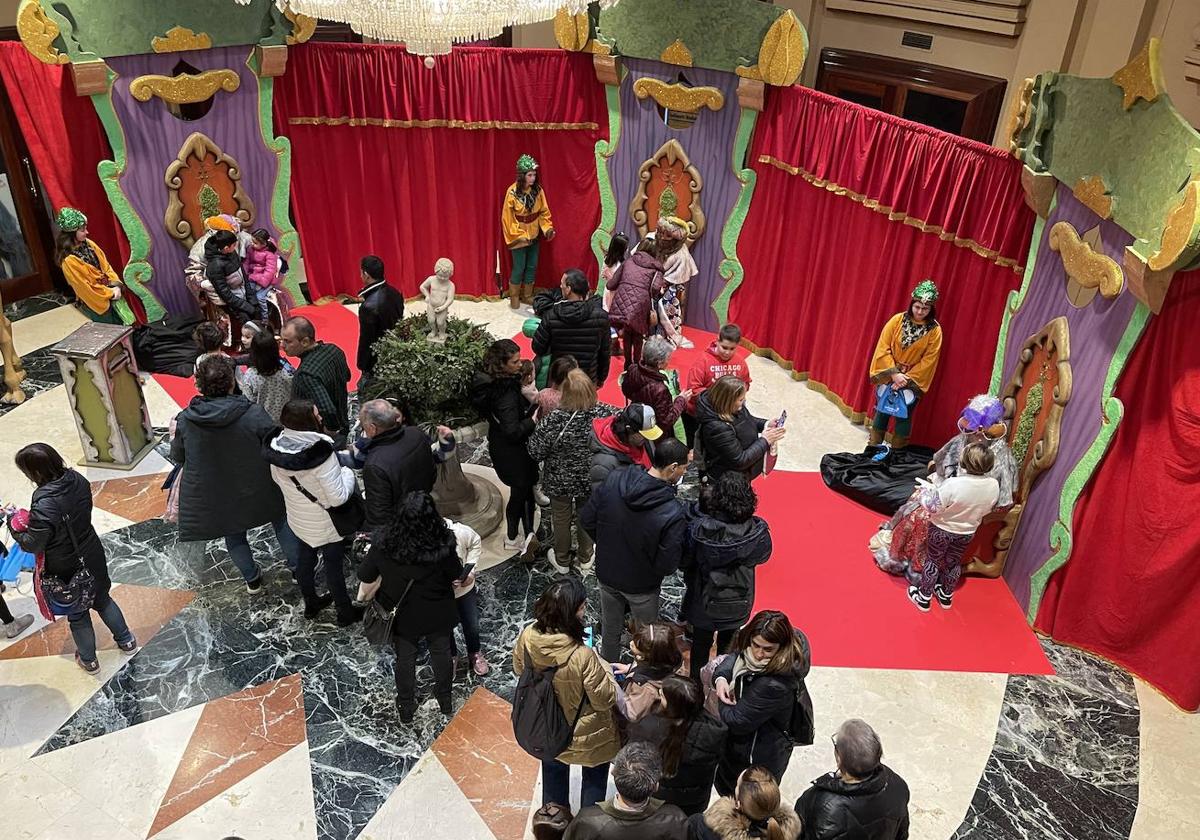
912,349
525,220
88,272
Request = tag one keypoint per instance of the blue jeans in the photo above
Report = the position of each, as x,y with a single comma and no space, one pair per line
468,617
333,556
556,783
260,293
85,635
238,546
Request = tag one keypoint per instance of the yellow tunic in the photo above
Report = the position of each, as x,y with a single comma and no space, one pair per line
91,285
519,224
918,361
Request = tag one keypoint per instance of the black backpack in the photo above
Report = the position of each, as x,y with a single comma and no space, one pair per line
801,725
728,596
539,724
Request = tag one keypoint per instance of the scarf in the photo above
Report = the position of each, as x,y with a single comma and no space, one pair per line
745,664
911,332
85,252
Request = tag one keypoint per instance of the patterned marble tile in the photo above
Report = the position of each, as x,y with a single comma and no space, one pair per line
427,804
137,498
35,305
41,374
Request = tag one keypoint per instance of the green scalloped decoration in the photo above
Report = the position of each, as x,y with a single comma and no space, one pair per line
138,273
730,268
1112,410
1015,301
289,239
608,201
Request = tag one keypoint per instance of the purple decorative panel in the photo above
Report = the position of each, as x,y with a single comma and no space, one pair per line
1095,331
709,147
153,138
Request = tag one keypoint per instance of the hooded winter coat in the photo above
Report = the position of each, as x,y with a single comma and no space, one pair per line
657,821
723,821
730,445
224,271
559,442
637,280
262,267
691,785
648,385
610,453
308,458
67,497
713,551
510,423
638,525
874,809
578,328
429,605
227,486
758,721
581,673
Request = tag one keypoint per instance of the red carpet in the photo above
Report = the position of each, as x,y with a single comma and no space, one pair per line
334,323
856,616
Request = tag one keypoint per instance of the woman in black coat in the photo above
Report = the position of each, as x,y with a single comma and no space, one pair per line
730,437
692,748
414,557
725,541
496,394
59,527
757,686
227,487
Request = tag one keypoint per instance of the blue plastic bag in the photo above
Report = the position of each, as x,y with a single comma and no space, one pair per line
13,561
894,402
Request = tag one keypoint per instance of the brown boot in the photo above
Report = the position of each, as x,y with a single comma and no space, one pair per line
899,441
527,293
875,437
514,295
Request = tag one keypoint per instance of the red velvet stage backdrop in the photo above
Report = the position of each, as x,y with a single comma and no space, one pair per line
65,140
1131,588
390,158
852,208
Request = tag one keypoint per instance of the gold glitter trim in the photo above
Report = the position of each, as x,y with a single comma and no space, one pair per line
184,88
678,97
677,53
572,32
1142,77
461,124
37,32
180,39
896,215
303,27
1093,194
1082,264
751,72
1018,115
783,50
1181,232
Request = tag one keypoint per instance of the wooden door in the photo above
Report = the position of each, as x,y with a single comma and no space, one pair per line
26,241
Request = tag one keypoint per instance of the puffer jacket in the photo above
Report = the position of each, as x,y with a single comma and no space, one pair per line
691,785
510,423
309,459
609,453
224,271
68,497
637,280
648,385
581,673
874,809
558,442
578,328
227,486
724,821
262,267
758,721
713,551
730,445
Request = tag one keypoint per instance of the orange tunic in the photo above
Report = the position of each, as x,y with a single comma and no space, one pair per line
918,361
519,224
91,284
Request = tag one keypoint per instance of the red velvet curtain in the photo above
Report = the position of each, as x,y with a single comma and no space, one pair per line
825,256
411,164
1130,590
65,139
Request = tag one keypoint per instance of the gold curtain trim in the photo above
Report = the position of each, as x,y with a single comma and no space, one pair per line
897,215
463,124
857,418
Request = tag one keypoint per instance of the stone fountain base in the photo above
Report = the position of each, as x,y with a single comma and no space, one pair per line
471,499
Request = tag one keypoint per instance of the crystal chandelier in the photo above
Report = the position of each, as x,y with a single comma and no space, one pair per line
429,27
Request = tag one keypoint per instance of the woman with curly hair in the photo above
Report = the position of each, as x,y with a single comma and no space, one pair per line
415,559
496,394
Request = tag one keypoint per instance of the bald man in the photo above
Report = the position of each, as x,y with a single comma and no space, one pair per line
323,376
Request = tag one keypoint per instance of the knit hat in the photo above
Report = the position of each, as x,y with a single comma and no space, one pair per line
69,219
925,291
526,163
641,417
219,223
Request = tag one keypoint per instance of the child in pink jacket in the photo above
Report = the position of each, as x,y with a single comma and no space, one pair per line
262,268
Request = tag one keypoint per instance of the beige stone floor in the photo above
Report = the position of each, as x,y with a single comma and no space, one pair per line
942,766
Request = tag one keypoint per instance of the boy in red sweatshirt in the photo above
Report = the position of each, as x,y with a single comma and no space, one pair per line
722,358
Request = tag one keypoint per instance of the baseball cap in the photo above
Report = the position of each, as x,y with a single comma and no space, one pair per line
641,417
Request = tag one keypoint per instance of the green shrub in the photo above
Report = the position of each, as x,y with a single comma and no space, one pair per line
433,380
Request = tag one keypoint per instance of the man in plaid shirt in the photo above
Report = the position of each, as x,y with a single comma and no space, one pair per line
323,376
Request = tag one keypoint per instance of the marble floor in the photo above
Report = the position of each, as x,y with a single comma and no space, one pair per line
239,717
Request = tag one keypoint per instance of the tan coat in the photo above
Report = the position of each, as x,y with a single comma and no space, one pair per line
595,740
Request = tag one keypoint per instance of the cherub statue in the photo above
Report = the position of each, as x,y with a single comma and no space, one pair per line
438,290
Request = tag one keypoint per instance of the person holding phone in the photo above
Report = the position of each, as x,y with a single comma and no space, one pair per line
466,597
730,437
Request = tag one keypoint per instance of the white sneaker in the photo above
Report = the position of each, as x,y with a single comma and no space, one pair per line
558,567
541,498
588,567
514,545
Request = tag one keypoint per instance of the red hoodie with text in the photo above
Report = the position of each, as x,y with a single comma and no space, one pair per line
709,368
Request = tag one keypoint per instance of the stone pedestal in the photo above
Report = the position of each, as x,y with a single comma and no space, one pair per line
101,376
469,499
